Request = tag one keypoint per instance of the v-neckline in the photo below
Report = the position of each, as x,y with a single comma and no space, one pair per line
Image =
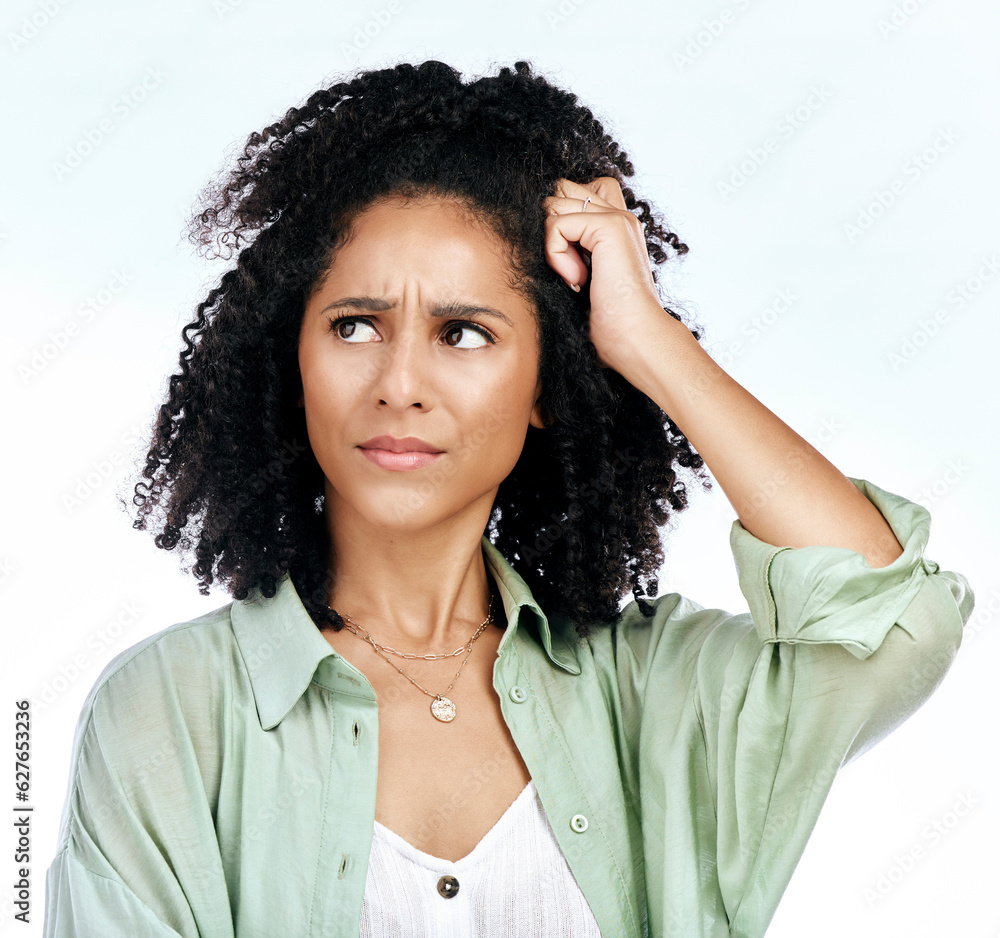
432,862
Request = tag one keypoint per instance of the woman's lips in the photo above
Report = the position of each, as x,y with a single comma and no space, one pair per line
399,461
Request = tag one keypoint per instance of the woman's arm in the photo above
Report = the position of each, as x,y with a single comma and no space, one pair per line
783,490
848,633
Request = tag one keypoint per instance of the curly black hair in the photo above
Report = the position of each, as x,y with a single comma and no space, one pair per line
231,478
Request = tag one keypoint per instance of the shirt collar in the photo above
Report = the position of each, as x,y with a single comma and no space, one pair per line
282,648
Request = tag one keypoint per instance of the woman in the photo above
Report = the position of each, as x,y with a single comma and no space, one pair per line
425,431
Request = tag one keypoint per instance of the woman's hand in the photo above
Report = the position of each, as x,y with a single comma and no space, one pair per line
624,307
784,491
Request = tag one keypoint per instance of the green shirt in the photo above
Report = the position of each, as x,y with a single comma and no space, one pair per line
224,770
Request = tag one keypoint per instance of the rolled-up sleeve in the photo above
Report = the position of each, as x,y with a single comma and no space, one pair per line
838,654
832,594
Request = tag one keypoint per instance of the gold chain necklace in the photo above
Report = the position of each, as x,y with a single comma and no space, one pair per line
442,708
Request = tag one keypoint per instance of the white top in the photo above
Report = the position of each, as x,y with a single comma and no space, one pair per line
515,884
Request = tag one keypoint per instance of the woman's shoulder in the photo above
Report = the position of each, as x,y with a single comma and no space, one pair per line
672,617
181,646
154,720
183,667
667,632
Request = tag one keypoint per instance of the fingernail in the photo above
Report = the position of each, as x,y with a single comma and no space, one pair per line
575,287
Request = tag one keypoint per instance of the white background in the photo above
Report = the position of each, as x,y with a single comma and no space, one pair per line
856,96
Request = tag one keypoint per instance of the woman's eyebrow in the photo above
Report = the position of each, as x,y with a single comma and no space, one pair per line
454,310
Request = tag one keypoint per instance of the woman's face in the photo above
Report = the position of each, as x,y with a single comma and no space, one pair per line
435,346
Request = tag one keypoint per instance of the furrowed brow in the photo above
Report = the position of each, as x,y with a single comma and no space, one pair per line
368,303
463,311
372,304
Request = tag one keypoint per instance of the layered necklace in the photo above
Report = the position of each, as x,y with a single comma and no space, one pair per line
442,707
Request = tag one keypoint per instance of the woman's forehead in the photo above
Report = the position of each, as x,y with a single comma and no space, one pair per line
440,236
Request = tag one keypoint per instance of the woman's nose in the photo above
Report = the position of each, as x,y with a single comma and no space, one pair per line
403,372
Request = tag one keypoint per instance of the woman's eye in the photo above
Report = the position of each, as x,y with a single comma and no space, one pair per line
346,328
478,335
352,329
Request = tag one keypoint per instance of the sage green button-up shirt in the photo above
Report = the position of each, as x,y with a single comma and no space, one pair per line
224,770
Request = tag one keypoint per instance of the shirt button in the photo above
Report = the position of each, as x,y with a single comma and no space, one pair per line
578,822
518,694
448,886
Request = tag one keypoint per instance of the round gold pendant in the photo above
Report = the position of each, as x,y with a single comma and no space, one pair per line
443,709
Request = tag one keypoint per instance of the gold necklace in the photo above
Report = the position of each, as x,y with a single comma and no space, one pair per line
442,708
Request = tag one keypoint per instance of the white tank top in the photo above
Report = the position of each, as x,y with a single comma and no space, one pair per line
515,883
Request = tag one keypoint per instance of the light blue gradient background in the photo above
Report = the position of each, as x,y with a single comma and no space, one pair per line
232,68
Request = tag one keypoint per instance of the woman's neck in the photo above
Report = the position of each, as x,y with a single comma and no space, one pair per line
420,592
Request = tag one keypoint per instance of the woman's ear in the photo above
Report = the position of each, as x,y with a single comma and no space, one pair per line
536,411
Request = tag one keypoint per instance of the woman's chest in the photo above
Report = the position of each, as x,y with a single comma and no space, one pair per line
442,786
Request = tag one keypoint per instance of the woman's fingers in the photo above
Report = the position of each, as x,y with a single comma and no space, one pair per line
564,256
622,292
564,252
578,214
604,191
565,205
